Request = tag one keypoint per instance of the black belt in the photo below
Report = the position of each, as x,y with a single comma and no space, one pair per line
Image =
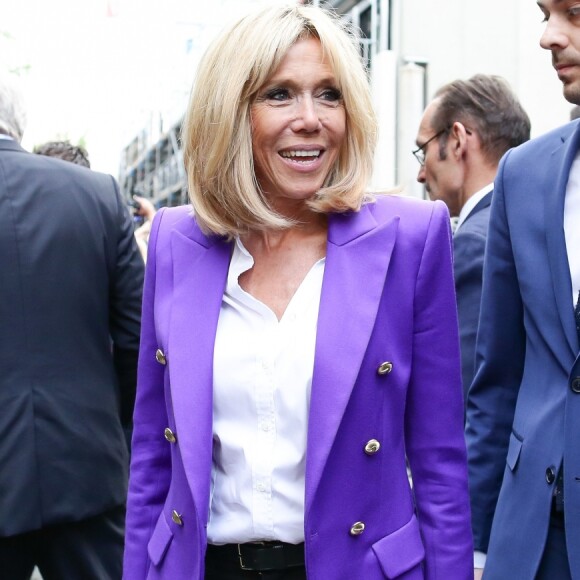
259,556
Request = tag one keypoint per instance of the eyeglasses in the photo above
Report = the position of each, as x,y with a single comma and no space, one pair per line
419,153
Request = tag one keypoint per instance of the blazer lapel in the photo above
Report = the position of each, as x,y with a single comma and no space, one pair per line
562,158
558,174
200,273
358,255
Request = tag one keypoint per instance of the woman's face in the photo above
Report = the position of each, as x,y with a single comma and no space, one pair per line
298,127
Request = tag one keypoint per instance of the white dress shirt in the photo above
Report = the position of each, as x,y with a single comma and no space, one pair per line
262,381
572,225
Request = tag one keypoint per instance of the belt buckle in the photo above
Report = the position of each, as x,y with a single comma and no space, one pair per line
244,566
241,558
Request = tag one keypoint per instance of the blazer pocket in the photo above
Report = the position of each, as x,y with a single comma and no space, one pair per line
400,551
160,540
514,450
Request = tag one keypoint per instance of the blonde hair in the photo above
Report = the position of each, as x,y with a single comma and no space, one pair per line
216,135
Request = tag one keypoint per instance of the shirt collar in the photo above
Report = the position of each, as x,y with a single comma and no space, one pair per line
241,262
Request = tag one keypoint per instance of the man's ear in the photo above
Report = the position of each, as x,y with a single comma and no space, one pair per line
459,135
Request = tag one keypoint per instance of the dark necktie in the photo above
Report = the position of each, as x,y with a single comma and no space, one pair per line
559,490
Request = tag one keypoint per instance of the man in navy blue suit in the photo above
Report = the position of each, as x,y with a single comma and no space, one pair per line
70,300
464,132
523,410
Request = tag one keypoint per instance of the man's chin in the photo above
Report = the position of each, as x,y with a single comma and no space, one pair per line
572,93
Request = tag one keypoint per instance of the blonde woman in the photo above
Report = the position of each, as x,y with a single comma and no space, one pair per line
299,337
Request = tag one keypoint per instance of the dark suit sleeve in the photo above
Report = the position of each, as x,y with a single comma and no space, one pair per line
500,352
125,308
468,251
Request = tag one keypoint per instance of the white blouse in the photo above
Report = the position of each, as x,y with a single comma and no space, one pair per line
262,380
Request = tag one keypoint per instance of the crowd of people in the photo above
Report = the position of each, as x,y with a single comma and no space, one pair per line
309,379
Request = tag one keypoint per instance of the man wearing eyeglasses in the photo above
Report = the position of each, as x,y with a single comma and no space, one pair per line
464,132
523,409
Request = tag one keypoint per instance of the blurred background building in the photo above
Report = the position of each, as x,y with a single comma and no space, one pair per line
116,74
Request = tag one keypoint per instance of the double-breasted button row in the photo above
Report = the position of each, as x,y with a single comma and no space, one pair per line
170,435
576,385
160,357
176,517
385,368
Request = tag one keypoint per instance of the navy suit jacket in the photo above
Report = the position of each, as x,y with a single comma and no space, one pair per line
523,411
70,297
468,250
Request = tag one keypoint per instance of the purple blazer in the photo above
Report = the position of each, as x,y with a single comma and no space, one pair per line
387,297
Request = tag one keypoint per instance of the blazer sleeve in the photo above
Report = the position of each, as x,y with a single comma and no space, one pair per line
150,455
434,414
500,352
468,252
125,308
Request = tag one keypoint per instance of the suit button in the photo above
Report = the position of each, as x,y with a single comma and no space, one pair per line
385,368
357,529
576,385
550,475
372,447
176,518
170,436
160,357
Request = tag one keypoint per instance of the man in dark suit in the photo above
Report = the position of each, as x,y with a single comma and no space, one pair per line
523,411
69,328
464,132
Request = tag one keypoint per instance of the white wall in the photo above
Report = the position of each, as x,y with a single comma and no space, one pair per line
459,38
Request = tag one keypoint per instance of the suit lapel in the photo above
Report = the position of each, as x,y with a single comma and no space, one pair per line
484,202
200,272
558,173
358,255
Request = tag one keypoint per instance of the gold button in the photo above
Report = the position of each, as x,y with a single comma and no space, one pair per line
357,529
372,447
176,518
170,436
160,357
385,368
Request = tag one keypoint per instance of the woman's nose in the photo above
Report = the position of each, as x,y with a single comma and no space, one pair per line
307,116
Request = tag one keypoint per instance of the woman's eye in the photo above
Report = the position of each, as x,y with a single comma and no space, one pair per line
574,11
278,95
332,95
